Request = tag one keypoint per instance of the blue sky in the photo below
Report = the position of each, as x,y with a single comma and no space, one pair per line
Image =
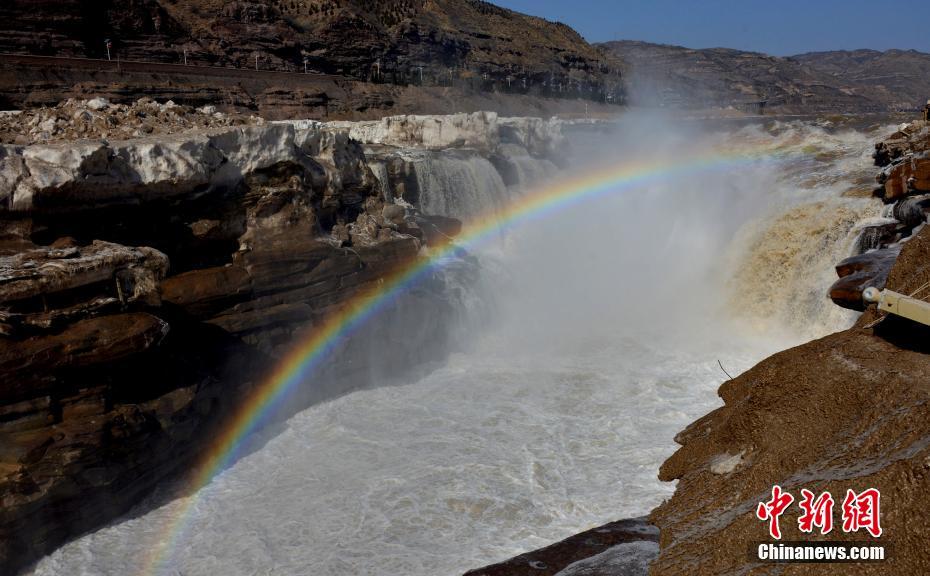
780,27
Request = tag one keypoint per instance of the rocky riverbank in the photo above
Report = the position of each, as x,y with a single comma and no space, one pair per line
848,411
147,284
904,186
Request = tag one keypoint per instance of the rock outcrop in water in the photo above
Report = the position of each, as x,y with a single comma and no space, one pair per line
146,285
623,548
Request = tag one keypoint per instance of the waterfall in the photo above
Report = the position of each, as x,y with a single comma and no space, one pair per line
531,170
457,183
782,263
381,174
519,169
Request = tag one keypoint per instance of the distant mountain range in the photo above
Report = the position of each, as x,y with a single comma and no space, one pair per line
841,81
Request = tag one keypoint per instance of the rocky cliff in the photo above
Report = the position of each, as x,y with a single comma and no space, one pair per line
147,284
834,82
393,47
383,40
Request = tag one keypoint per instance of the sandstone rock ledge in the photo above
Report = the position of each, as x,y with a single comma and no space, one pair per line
146,284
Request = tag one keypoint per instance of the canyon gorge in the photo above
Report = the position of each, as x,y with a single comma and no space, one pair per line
150,284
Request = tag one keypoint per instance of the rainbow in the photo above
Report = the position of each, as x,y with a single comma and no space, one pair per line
299,364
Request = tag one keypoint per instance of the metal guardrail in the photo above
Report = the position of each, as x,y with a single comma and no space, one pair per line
899,304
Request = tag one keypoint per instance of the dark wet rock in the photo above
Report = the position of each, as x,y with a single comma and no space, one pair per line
47,271
624,547
438,230
905,156
860,272
912,211
878,235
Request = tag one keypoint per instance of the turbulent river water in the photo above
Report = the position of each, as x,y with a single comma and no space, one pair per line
591,339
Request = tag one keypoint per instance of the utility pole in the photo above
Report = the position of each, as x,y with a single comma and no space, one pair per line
185,55
421,74
305,65
109,45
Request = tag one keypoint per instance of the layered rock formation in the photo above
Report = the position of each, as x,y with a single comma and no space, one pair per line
147,284
391,56
896,77
27,82
435,42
